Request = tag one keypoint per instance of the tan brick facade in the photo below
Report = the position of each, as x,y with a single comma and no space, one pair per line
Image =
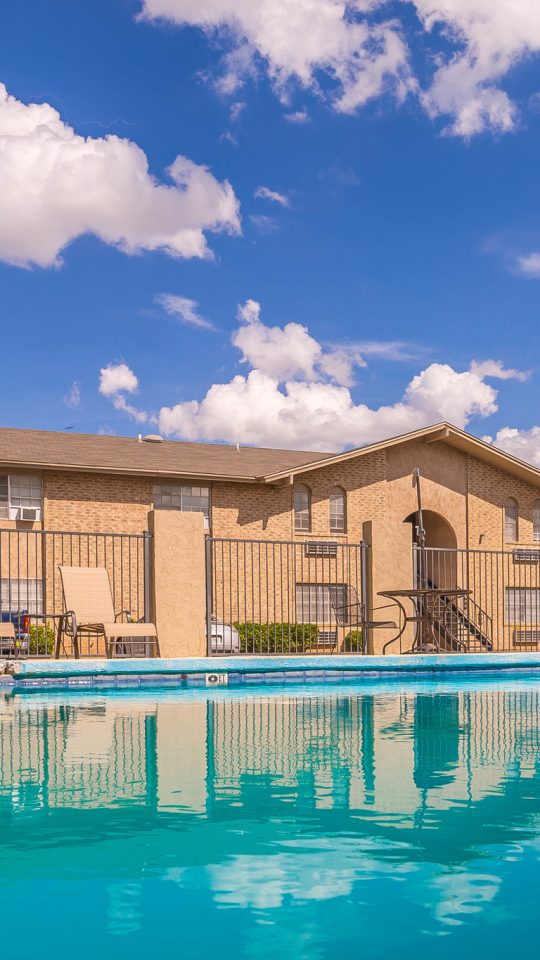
465,492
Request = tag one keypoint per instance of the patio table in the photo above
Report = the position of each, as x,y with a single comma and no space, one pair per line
430,608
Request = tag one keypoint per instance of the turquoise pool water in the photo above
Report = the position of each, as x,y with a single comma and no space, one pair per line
342,821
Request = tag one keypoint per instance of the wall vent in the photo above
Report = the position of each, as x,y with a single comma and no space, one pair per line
526,556
320,548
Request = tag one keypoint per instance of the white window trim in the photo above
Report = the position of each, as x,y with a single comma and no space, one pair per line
187,486
13,511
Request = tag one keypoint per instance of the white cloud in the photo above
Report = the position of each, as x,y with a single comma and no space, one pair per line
296,41
57,185
297,394
264,224
264,193
473,45
116,378
524,444
73,396
529,265
290,352
185,309
299,117
496,369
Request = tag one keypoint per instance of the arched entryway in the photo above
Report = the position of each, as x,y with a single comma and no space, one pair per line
436,566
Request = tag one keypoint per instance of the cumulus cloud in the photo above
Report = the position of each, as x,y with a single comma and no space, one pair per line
116,378
524,444
264,193
185,309
529,265
263,223
297,394
472,46
57,185
296,41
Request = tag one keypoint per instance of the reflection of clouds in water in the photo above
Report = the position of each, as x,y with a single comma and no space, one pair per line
318,870
458,895
124,908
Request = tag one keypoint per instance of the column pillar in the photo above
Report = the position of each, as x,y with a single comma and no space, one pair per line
178,582
390,567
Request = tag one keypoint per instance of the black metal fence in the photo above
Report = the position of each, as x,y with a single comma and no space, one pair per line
501,612
31,592
285,597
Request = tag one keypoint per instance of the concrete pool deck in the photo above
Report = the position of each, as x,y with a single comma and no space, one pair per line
239,669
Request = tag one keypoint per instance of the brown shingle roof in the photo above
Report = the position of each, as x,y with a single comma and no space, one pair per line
82,451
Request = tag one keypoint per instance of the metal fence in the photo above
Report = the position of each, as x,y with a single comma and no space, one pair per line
501,613
31,592
285,597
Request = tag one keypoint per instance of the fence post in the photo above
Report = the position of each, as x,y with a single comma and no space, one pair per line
208,575
364,557
147,561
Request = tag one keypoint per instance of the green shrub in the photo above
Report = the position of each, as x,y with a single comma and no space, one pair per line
42,639
352,642
276,637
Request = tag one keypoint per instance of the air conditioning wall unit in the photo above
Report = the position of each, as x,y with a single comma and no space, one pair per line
29,514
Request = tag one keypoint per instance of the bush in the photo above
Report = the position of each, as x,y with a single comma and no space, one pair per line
280,638
352,642
42,639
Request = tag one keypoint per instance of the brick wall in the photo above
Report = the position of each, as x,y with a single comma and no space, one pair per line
101,504
488,488
263,512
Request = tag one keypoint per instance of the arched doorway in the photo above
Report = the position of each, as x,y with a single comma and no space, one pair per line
436,566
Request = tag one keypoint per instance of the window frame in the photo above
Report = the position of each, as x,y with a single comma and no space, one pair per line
334,492
510,502
536,521
521,599
320,609
13,587
181,492
8,483
296,513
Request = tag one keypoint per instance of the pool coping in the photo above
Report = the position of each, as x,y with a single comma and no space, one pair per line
223,669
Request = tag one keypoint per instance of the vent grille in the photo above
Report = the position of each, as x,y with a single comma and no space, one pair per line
321,548
526,637
526,556
327,636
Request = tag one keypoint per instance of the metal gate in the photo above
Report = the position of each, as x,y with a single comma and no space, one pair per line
285,597
501,612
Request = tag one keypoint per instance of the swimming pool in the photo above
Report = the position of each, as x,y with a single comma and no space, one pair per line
356,820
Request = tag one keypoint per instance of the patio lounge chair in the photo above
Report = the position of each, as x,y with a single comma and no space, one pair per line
89,607
7,639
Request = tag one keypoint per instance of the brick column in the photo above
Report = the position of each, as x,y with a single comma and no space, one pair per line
178,582
390,567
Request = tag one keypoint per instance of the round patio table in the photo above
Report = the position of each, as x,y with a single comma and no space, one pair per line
430,609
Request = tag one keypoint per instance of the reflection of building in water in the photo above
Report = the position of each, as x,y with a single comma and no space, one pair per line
396,753
62,756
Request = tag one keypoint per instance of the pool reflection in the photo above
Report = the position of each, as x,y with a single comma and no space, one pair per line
309,811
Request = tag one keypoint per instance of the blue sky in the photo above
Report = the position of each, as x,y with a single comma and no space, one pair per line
407,219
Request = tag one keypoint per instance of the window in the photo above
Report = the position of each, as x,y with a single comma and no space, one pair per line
17,491
337,510
302,508
23,594
314,601
173,496
510,520
522,605
536,521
